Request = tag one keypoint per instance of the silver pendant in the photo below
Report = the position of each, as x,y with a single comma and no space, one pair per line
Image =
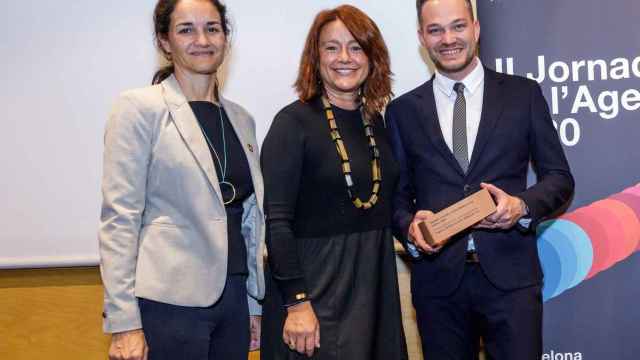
233,189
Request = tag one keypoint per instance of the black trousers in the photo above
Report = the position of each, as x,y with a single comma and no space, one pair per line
509,322
217,332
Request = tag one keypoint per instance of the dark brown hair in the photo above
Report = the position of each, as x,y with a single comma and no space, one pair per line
162,24
376,90
419,4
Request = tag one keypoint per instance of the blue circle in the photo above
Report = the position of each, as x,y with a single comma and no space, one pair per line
550,262
568,256
581,245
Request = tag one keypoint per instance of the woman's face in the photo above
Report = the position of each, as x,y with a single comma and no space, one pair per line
343,64
196,41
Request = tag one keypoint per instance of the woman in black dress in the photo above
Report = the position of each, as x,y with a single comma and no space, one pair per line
329,177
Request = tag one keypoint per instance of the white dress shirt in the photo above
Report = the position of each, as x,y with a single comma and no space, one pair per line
446,97
445,101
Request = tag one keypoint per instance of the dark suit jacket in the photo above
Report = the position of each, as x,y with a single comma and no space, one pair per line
515,128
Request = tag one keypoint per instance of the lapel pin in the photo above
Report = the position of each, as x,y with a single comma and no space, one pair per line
250,147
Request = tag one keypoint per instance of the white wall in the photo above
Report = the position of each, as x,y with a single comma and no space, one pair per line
66,61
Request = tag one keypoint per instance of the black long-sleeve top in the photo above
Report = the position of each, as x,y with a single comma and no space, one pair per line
306,193
238,173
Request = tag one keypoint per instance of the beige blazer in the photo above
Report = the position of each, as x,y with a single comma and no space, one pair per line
163,226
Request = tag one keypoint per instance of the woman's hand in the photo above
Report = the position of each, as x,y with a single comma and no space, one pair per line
254,326
301,329
128,345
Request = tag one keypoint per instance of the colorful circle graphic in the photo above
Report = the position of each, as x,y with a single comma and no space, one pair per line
551,263
590,239
633,202
597,236
613,230
617,218
581,244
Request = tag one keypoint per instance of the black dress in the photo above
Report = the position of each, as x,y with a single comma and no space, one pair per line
319,243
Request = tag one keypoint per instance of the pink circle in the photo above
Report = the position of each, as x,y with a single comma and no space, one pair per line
598,236
622,243
613,229
635,190
630,224
631,201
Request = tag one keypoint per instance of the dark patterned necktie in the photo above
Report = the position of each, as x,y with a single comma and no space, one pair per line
460,139
460,128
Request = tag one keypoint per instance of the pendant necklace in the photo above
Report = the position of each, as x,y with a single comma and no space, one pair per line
221,165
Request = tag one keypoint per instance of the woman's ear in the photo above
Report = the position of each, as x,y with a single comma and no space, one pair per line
164,44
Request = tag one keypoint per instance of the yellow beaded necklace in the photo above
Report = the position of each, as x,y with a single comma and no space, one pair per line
376,173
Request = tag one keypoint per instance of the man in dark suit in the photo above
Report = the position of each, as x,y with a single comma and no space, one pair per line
469,128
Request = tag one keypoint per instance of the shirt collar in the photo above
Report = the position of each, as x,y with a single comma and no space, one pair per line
471,82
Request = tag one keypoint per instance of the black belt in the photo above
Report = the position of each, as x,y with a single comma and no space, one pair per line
471,257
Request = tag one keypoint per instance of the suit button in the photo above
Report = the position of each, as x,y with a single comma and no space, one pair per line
466,189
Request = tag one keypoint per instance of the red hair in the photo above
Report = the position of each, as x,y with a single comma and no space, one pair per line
376,90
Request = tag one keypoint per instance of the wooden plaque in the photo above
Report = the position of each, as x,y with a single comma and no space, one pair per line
457,217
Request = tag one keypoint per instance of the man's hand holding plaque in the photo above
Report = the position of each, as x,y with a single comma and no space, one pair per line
416,235
431,231
509,209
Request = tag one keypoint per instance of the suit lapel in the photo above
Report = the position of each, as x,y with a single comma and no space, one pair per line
188,127
492,106
240,125
431,124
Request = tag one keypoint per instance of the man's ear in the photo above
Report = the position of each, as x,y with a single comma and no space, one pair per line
476,28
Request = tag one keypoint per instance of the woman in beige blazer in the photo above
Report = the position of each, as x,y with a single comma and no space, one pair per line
182,225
